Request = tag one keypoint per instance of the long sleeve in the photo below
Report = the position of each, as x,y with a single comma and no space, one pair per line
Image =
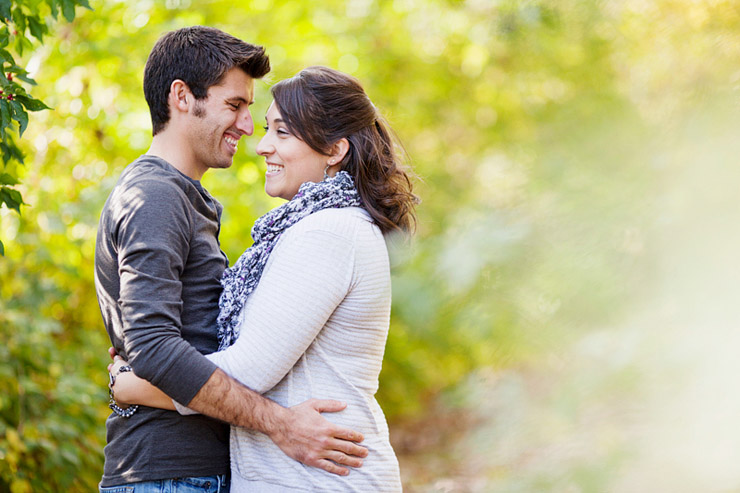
308,275
153,239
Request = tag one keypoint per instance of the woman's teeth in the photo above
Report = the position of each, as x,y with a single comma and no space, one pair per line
273,168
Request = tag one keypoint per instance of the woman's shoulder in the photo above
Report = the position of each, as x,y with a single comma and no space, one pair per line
346,222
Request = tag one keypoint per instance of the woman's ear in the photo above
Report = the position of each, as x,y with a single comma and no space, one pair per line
339,150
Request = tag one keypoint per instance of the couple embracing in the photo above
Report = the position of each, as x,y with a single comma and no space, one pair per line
286,345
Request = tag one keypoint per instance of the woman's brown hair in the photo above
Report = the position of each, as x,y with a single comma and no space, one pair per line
321,106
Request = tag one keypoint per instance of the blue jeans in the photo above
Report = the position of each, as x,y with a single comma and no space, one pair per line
203,484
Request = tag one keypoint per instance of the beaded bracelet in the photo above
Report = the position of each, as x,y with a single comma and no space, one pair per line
124,413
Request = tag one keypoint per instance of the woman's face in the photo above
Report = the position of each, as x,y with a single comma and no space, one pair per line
290,161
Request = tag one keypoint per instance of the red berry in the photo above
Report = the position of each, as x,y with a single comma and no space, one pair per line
10,97
10,77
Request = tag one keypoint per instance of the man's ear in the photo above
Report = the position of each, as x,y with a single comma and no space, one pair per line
180,96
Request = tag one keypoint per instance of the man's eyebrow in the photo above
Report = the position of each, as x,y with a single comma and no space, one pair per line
240,99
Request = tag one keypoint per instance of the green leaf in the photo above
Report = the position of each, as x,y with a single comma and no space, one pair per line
6,179
17,69
5,55
25,78
19,115
2,249
31,103
16,196
11,198
7,113
10,150
68,10
5,8
5,149
19,18
84,3
37,28
19,45
54,6
12,204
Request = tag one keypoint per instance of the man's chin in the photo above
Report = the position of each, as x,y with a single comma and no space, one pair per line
222,164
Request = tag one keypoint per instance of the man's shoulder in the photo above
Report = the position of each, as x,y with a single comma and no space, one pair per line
152,182
152,189
152,173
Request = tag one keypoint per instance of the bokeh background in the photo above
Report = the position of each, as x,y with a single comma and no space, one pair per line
566,317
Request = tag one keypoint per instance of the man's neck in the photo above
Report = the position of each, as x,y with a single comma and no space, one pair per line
168,146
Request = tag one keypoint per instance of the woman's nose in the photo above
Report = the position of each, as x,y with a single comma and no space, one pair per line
263,146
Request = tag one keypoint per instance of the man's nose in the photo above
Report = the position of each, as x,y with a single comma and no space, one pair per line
245,124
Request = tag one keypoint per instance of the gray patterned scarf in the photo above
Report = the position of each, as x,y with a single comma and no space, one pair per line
240,280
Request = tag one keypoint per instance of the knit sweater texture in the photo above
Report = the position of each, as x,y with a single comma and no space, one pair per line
316,327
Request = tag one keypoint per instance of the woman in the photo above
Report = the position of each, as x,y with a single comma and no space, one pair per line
305,310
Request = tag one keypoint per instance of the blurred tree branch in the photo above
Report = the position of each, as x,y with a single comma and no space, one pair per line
23,20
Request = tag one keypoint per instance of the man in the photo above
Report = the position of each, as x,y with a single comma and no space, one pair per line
157,268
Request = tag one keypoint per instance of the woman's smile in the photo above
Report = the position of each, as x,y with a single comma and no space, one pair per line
273,169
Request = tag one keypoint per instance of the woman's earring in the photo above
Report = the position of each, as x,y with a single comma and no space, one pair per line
326,175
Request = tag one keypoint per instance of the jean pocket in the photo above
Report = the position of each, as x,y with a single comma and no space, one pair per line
116,489
204,483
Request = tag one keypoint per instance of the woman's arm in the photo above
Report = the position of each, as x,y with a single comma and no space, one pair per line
308,276
129,389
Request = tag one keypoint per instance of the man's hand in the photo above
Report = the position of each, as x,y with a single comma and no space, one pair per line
303,434
300,431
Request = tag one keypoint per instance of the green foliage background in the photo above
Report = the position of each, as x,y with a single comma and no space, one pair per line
543,133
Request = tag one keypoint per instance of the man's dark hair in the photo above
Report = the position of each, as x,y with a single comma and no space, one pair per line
199,56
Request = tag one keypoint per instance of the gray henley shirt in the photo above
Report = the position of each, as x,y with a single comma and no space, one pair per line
158,263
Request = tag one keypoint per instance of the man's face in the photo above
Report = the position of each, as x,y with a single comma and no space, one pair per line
218,122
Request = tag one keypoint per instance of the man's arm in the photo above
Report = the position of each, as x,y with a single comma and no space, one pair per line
300,431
